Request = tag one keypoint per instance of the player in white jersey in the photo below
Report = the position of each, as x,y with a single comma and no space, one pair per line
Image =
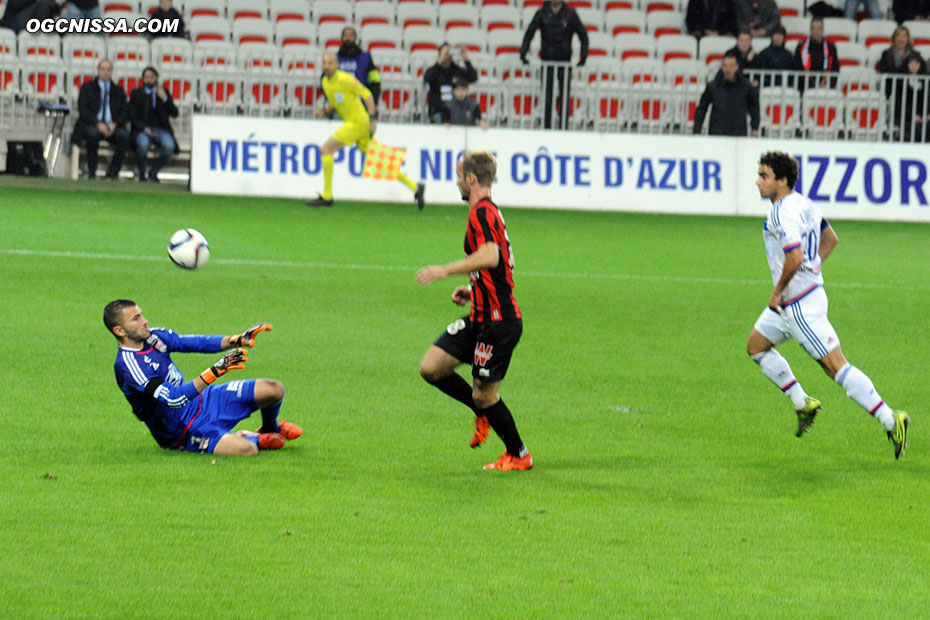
797,241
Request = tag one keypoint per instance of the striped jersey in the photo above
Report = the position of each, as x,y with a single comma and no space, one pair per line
491,289
343,91
794,222
154,386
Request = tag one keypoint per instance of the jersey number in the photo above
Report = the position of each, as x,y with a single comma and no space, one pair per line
811,242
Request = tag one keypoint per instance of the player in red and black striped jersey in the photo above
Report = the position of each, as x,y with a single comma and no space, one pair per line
486,337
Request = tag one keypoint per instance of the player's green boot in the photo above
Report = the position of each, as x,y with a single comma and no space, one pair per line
806,415
898,436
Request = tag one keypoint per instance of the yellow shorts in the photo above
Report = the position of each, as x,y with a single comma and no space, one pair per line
353,133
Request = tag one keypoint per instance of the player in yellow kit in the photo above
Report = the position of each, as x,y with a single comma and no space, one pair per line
345,94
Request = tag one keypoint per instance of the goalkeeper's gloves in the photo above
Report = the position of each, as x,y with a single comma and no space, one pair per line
247,338
234,359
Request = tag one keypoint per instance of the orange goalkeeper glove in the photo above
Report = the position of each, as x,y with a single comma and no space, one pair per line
231,360
247,338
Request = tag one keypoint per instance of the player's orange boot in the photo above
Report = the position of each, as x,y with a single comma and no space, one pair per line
270,441
481,431
509,462
289,430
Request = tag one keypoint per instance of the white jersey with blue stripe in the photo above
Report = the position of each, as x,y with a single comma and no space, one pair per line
794,222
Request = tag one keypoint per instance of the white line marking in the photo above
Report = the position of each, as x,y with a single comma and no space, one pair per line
411,269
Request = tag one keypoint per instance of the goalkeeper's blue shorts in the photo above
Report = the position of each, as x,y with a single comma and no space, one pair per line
221,409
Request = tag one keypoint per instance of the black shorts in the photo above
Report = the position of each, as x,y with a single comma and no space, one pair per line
488,347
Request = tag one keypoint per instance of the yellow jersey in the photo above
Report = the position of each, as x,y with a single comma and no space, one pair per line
343,91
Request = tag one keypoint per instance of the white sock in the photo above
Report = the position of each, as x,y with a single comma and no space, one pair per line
776,368
859,388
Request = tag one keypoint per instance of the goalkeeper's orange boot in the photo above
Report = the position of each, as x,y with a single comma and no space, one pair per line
270,441
509,462
481,431
289,430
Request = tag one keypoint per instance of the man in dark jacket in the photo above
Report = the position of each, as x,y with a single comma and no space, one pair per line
732,97
19,12
440,77
556,22
816,55
102,115
354,60
166,13
151,109
774,58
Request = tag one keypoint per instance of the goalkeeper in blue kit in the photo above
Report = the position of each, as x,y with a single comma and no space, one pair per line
194,416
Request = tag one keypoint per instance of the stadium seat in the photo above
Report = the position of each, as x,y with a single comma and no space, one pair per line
839,29
416,14
220,91
38,46
204,8
791,8
642,70
371,13
628,46
329,35
661,5
484,64
504,43
128,49
214,54
797,28
877,32
474,40
128,74
591,19
865,116
168,51
246,9
303,93
920,32
258,56
522,97
131,18
204,29
495,16
486,3
489,95
43,77
923,49
458,16
301,58
292,32
180,80
79,71
252,30
445,3
600,44
263,92
423,38
381,36
8,42
620,5
660,23
618,23
875,54
712,48
530,4
392,61
114,8
683,71
420,61
147,7
291,10
82,47
327,11
398,96
676,46
780,111
857,79
822,113
650,107
852,54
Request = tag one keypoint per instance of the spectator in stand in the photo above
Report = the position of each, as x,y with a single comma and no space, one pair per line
102,115
167,12
355,61
871,7
440,77
711,17
743,49
757,16
19,12
816,55
462,109
774,58
905,10
77,9
556,22
910,115
731,98
150,111
893,58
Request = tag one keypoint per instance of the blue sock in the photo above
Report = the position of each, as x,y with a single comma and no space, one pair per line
270,418
252,438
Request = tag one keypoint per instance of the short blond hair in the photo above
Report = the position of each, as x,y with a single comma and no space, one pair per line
481,164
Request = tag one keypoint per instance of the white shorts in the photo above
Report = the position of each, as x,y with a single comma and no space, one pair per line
805,320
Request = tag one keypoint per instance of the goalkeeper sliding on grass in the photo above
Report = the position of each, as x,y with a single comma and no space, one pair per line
194,416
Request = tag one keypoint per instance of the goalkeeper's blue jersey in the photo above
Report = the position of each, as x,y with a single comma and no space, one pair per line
155,387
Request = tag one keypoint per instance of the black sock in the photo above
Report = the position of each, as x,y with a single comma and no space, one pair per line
270,418
501,421
458,388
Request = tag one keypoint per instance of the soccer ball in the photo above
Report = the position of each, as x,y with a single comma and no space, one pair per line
188,249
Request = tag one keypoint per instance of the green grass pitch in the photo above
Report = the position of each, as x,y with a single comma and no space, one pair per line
668,481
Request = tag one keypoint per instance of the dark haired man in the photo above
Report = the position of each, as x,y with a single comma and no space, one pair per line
797,241
356,61
487,336
194,416
150,112
440,77
731,97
